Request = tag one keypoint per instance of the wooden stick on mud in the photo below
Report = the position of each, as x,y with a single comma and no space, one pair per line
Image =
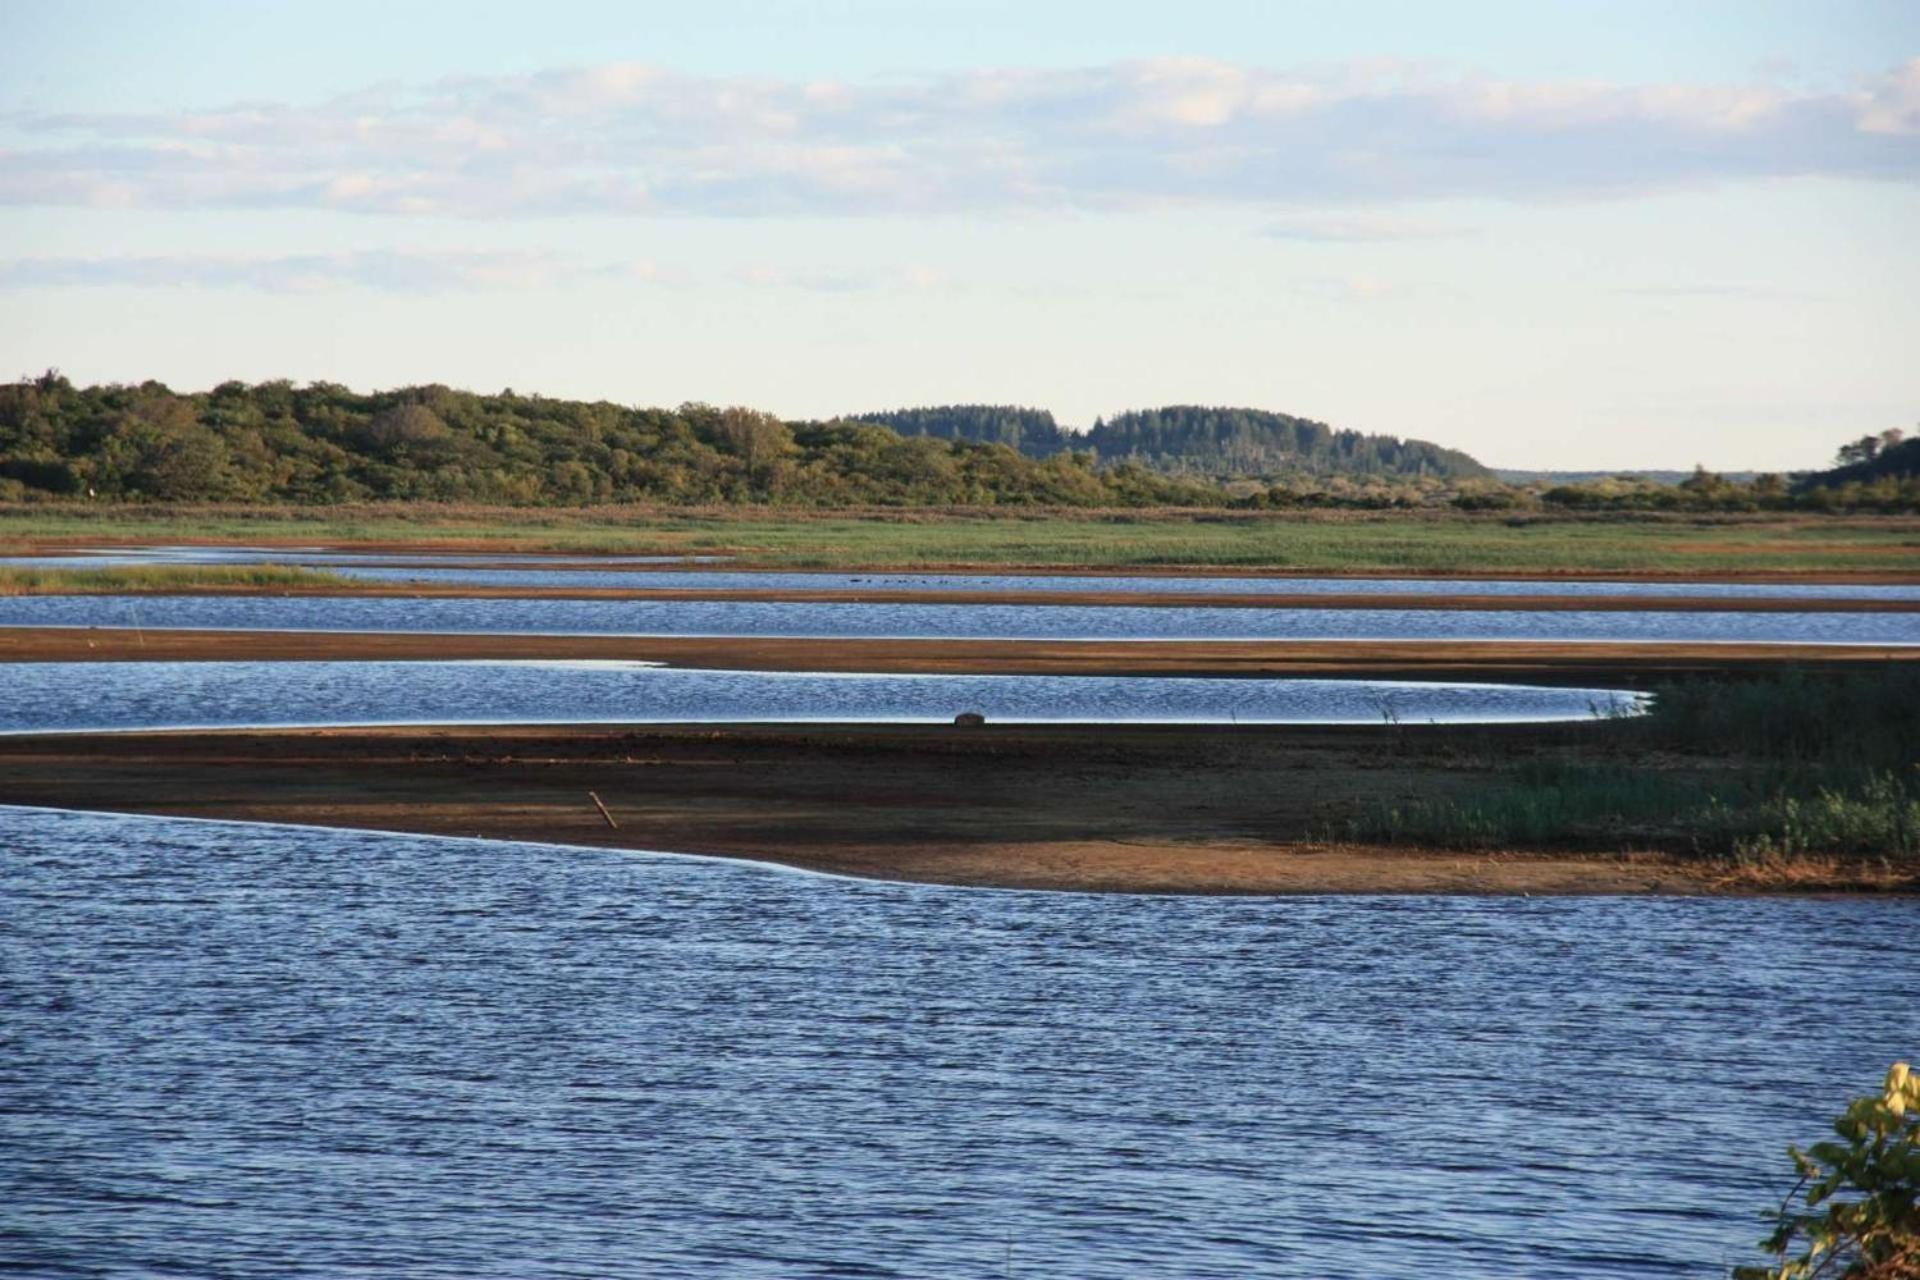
594,796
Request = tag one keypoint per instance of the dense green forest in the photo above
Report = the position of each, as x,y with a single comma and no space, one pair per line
1031,431
1193,440
326,443
323,443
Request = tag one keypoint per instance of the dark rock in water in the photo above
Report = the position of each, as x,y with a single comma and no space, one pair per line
968,719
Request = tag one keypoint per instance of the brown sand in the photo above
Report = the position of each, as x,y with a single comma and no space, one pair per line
1538,663
1624,665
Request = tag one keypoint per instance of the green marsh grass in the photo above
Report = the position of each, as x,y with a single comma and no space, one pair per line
111,580
1583,806
1791,765
1310,542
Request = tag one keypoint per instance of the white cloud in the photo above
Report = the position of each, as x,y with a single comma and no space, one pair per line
434,271
849,279
1361,230
391,271
627,139
1729,292
1893,106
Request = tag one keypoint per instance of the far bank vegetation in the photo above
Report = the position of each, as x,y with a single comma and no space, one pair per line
325,444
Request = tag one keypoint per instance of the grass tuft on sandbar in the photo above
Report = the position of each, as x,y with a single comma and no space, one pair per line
154,579
1787,766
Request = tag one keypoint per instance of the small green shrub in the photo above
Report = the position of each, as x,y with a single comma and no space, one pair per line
1881,816
1858,1216
110,580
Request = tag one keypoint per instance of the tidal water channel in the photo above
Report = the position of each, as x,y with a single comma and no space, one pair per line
247,1051
233,1050
158,695
787,618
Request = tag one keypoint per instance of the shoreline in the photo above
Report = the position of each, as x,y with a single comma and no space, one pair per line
738,561
1623,664
1094,808
1138,809
1432,601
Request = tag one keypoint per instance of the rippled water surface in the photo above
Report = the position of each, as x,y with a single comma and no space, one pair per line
971,621
266,1052
710,580
136,695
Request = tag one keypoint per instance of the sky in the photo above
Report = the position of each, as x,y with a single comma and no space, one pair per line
1558,235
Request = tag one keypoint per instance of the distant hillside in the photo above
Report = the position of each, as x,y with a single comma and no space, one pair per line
1512,475
323,443
1031,431
1193,440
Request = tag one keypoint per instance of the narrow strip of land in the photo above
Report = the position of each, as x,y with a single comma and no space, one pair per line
1134,542
1449,601
1628,664
1108,808
1141,808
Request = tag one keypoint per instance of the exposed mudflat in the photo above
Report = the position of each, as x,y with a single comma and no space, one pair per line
1113,808
1135,808
1627,664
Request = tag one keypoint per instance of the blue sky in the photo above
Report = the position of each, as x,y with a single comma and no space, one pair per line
1574,234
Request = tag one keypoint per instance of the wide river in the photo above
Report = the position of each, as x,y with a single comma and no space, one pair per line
269,1052
736,618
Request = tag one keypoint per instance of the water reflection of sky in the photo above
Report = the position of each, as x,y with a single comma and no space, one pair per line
265,1051
949,621
131,695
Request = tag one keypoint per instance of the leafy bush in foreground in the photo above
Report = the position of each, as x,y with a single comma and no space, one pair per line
1860,1197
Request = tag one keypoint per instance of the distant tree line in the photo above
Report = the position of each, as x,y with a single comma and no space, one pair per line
1029,431
1193,440
1876,473
321,443
324,443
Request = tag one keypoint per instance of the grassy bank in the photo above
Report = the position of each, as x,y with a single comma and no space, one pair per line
155,578
1789,766
1313,542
